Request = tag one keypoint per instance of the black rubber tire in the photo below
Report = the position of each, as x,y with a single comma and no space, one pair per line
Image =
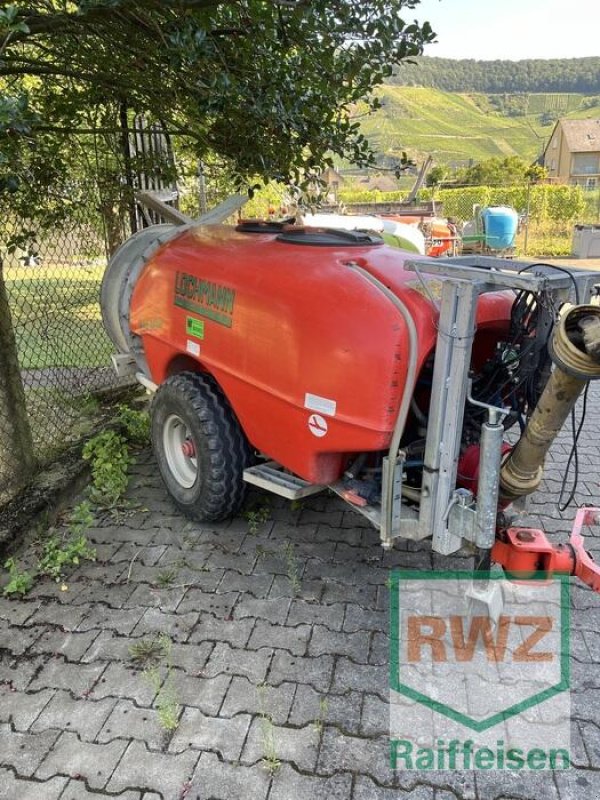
222,450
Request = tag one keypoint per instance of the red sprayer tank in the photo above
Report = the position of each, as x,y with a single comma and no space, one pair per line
311,356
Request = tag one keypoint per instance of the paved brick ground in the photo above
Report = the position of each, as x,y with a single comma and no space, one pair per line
290,622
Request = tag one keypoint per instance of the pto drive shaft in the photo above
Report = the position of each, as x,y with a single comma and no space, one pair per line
575,350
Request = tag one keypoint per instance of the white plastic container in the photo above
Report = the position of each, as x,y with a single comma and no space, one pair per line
586,241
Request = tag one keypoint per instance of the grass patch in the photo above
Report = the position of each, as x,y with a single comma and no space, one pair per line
56,315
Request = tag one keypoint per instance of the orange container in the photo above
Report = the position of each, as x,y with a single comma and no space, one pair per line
311,356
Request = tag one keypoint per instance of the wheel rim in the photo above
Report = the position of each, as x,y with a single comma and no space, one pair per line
180,451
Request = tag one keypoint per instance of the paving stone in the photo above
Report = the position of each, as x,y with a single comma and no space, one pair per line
578,751
331,617
82,716
363,594
127,721
256,585
380,649
592,640
114,595
296,745
105,573
331,518
309,590
165,598
17,612
137,574
22,708
270,560
225,736
76,790
459,784
17,640
363,677
70,644
375,719
17,672
578,784
291,785
316,671
148,555
207,694
191,657
234,631
60,674
196,600
106,535
106,550
345,573
520,786
195,575
165,773
176,626
341,710
231,661
110,646
25,751
241,563
216,780
94,763
120,681
366,756
243,696
369,552
366,789
121,621
590,733
11,788
280,636
275,611
362,619
347,533
326,641
68,618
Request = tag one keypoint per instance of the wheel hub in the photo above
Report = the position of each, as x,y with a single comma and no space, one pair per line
180,451
188,448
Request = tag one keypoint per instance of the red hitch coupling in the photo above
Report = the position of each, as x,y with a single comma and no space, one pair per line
527,551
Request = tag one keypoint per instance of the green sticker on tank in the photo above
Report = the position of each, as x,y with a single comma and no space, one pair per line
194,327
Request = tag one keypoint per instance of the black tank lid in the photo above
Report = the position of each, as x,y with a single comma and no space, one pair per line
264,225
329,237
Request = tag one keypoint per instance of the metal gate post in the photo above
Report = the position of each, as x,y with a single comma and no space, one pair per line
16,445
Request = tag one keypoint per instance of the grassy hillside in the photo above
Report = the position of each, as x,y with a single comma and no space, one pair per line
459,127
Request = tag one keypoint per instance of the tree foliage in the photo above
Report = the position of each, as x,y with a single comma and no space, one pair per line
580,75
509,171
266,85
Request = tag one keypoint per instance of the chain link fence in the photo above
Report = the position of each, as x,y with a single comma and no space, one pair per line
547,213
55,353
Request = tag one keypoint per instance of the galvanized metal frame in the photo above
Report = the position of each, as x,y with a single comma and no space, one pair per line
445,514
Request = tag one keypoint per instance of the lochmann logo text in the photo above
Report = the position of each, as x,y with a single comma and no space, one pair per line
205,298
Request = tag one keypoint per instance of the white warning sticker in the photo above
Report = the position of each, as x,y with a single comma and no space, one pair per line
192,347
317,425
321,404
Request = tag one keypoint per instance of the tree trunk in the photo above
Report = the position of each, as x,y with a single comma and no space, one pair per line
17,460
